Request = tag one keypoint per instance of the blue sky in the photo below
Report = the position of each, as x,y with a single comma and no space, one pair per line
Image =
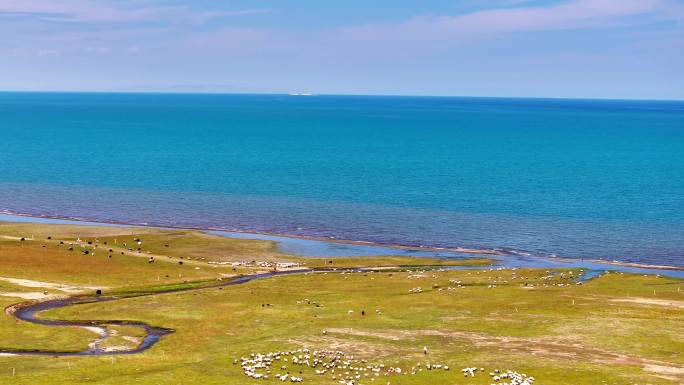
566,48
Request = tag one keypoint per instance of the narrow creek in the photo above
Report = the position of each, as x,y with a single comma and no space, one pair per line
30,313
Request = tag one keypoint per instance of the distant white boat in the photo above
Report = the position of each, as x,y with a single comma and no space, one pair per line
301,94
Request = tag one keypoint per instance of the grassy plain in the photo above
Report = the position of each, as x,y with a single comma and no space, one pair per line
616,329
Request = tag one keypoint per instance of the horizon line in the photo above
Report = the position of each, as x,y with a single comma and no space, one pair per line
284,93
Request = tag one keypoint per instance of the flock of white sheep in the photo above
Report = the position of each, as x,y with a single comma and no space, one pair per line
263,264
288,366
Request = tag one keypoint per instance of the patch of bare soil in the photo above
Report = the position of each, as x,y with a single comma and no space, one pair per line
666,372
651,301
546,347
49,285
360,348
29,295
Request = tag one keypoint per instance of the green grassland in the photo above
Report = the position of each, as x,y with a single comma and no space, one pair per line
615,329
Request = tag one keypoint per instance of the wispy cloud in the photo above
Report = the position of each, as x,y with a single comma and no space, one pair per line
94,11
574,14
99,27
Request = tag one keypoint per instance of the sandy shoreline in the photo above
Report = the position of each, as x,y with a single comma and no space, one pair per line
492,252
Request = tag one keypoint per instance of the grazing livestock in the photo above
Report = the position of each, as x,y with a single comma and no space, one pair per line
346,369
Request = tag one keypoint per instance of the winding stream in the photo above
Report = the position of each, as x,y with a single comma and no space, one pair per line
153,334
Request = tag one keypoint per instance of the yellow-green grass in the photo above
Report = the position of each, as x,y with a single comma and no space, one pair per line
175,243
44,259
192,247
16,334
40,231
539,331
196,245
616,329
54,263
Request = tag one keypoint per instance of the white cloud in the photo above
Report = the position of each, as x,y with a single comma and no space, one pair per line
575,14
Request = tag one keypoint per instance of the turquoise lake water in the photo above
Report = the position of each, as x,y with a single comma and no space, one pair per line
575,178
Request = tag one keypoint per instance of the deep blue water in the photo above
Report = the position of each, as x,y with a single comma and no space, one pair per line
576,178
